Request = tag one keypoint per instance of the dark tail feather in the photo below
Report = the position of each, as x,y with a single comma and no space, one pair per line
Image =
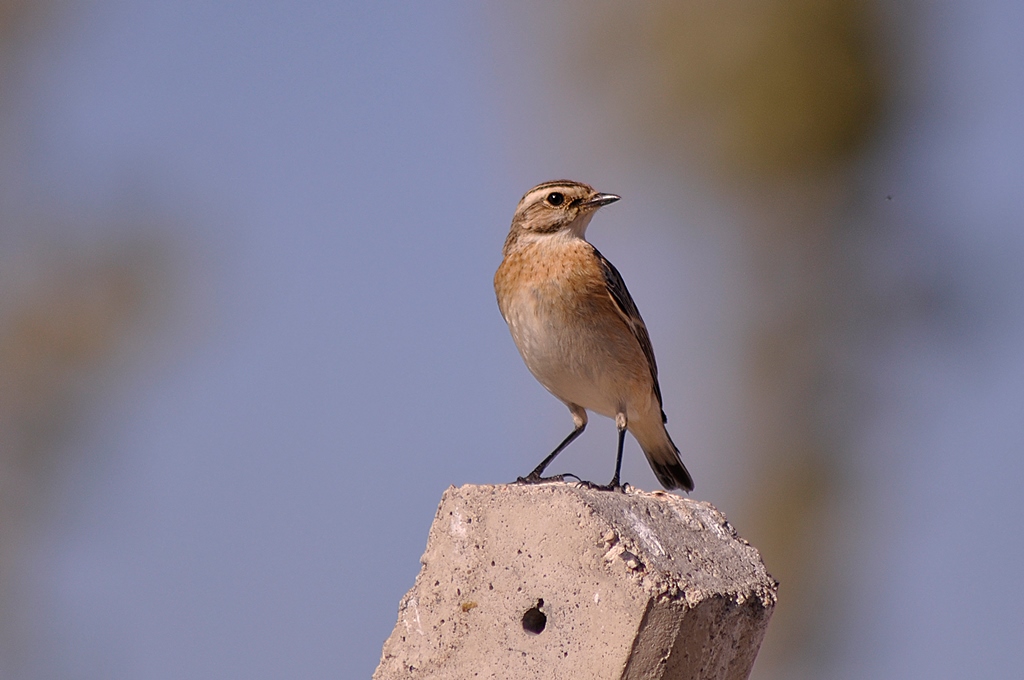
669,468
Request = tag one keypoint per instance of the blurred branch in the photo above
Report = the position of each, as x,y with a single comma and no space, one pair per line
18,22
56,337
758,89
65,316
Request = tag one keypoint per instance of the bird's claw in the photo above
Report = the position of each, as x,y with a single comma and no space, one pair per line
611,486
534,478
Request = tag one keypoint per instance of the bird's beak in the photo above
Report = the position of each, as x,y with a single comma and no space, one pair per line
598,200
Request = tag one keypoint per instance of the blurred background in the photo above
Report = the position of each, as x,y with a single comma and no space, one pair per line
248,334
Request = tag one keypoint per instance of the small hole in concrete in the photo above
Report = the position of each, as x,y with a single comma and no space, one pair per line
534,619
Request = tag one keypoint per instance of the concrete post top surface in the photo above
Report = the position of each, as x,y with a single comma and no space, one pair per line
555,580
683,548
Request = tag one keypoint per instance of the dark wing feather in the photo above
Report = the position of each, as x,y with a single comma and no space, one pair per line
631,315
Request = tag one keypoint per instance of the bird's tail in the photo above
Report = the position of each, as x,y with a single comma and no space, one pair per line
664,458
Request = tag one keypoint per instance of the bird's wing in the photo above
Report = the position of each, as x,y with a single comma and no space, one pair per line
631,315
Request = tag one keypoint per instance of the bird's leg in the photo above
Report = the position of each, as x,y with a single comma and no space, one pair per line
620,424
614,485
579,418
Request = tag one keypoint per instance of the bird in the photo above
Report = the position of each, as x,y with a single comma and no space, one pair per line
579,331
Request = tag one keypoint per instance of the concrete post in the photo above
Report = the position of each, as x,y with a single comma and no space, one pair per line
555,581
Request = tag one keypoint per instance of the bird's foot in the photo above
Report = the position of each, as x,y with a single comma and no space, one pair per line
611,486
534,478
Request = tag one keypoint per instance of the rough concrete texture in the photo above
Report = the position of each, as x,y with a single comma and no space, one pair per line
555,581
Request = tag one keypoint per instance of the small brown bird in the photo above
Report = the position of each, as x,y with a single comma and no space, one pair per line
578,329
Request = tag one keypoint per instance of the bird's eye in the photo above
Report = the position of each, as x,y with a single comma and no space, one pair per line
556,198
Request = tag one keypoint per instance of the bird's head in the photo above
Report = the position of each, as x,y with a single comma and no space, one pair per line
562,206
